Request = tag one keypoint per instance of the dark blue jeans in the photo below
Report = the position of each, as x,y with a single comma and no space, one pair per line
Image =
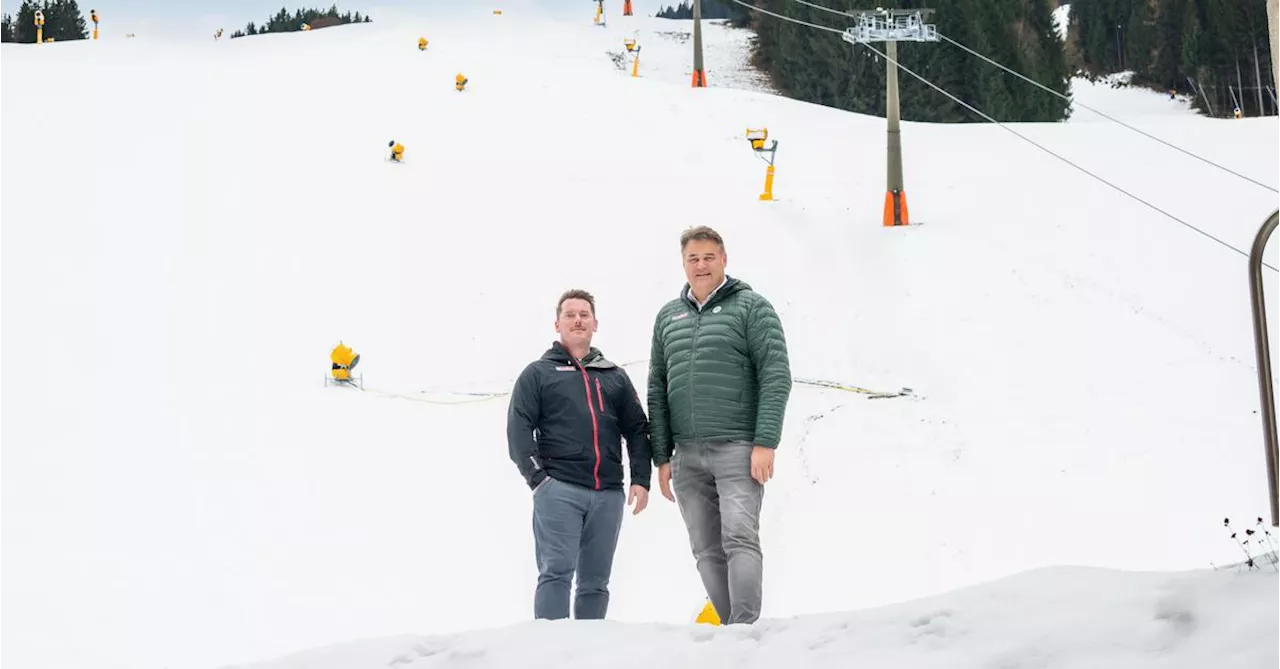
575,530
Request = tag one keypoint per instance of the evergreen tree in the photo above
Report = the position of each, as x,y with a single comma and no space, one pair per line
64,21
1167,63
24,27
1141,34
711,9
1169,43
6,29
820,67
683,11
282,21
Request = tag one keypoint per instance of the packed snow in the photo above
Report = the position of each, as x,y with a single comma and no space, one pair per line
190,226
1064,617
1114,96
1062,20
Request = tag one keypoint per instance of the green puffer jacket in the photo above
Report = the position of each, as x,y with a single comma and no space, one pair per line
718,374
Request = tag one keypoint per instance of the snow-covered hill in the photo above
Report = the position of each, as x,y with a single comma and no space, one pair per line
189,228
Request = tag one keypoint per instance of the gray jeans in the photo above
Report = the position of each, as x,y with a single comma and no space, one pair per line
575,530
720,504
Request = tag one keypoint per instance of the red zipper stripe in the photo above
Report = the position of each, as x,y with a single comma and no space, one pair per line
595,425
599,397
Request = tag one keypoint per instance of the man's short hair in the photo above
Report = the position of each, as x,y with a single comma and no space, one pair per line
701,233
575,294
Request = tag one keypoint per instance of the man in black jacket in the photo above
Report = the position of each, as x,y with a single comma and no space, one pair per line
569,412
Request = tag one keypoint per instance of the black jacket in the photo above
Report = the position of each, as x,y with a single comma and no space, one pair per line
567,420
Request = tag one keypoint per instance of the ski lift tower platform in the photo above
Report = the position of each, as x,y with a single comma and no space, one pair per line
892,26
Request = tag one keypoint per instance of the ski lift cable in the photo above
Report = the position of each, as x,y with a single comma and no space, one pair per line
1017,134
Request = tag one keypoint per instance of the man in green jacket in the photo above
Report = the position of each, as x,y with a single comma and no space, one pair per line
719,379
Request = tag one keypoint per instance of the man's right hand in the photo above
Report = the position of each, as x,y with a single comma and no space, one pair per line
664,481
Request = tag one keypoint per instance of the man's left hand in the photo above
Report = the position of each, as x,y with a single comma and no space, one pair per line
640,497
761,464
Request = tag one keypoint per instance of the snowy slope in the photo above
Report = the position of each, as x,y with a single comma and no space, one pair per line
1078,618
1062,20
1111,94
188,228
667,51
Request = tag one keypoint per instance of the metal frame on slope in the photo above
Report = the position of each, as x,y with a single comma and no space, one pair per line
1262,347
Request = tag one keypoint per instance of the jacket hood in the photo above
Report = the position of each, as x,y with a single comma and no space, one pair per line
594,358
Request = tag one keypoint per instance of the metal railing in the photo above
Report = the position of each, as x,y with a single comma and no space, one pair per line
1263,349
